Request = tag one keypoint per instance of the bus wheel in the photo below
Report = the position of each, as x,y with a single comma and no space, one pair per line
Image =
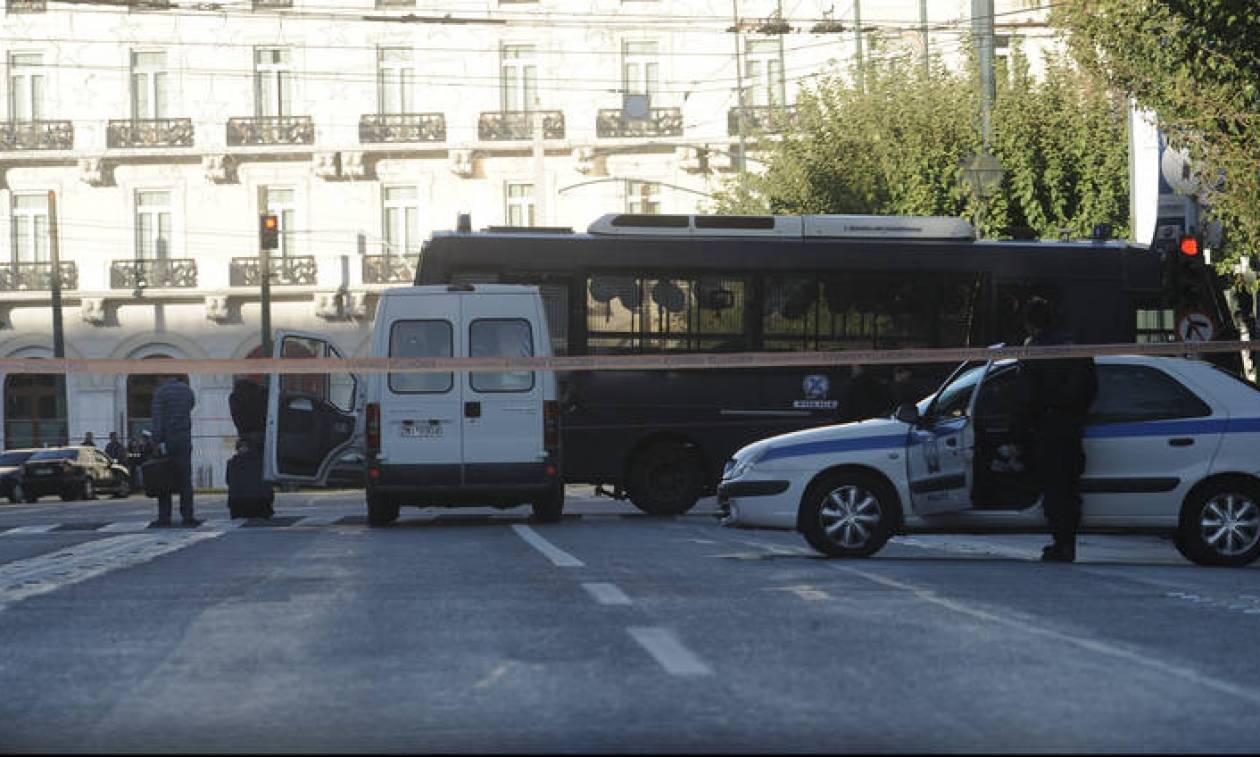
665,479
382,510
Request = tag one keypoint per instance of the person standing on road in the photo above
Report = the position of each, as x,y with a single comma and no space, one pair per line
87,440
866,396
172,433
115,449
1062,391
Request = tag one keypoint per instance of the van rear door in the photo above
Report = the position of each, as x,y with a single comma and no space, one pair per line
502,410
421,429
311,417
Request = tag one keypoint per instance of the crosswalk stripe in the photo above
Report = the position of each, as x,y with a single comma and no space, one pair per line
318,520
40,529
41,574
126,526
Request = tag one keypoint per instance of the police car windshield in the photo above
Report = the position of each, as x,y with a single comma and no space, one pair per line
951,401
13,458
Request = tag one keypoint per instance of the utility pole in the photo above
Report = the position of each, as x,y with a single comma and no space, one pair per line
268,240
58,333
857,46
923,32
540,167
982,35
739,91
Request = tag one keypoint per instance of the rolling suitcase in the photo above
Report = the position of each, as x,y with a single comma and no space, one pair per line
248,495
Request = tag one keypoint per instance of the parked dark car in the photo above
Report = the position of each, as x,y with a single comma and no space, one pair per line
11,472
73,473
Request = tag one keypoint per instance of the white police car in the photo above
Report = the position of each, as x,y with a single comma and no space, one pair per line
1172,447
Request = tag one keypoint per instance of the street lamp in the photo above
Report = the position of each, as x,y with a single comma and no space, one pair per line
983,175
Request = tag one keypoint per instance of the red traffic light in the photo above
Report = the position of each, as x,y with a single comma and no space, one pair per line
1189,245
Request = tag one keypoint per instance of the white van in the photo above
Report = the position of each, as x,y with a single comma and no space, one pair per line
469,438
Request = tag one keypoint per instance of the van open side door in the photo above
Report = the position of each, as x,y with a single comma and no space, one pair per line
312,418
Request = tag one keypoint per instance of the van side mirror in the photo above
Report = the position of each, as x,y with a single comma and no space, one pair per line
907,413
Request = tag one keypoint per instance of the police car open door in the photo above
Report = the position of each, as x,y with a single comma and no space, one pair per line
311,417
941,448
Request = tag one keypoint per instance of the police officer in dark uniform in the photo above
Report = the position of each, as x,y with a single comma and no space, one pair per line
1062,391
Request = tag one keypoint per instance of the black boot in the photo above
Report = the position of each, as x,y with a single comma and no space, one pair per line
1062,550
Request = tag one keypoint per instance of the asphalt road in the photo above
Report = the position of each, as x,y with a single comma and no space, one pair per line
480,631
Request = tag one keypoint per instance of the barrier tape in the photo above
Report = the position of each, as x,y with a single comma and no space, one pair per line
690,361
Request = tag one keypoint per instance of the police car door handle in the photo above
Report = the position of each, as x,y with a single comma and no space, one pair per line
1181,441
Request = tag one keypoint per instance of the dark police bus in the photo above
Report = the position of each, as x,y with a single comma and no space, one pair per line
636,284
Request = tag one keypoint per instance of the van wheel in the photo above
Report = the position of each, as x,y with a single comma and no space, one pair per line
550,507
848,514
1220,524
382,510
665,479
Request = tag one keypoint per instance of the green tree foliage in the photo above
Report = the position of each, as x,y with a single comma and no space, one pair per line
1196,64
896,148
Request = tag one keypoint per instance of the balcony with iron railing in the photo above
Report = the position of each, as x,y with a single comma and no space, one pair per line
508,125
26,6
23,276
270,130
660,122
161,273
402,127
766,119
395,268
150,132
36,135
293,270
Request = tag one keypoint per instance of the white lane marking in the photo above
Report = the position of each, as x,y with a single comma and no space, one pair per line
21,579
318,520
669,651
607,594
221,525
41,529
125,526
807,593
557,556
1100,647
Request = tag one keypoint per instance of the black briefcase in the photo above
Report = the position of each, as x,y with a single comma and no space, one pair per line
160,476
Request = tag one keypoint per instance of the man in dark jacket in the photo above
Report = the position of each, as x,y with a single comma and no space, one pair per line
1062,391
866,396
248,405
115,448
172,432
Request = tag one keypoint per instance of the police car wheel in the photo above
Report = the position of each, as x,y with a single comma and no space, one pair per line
848,514
382,510
1220,524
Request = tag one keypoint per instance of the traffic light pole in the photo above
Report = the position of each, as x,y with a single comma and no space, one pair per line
264,303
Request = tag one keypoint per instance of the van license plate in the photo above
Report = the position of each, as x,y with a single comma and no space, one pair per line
422,429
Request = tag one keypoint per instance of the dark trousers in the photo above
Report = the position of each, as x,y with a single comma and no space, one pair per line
1060,460
181,453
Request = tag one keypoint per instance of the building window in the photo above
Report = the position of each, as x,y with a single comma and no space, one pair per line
763,73
395,80
520,205
643,197
26,87
519,77
150,82
402,233
30,228
273,82
640,68
279,201
153,225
